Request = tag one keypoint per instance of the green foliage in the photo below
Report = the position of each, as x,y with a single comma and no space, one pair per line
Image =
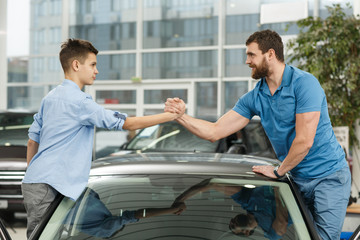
330,50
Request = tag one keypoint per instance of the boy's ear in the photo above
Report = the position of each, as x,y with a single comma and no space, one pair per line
75,65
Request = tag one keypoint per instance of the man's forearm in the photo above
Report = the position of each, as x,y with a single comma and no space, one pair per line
298,151
306,125
198,127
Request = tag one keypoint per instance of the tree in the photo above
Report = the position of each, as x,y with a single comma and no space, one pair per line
330,50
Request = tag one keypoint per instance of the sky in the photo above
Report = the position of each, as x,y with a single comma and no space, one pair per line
18,27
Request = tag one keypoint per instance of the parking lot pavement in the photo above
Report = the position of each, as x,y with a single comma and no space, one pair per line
20,233
352,219
17,228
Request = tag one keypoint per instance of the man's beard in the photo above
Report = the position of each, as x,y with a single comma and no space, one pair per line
260,71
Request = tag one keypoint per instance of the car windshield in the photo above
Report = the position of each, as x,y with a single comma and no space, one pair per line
14,129
228,209
170,137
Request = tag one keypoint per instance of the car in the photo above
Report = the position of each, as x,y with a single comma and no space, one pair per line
173,137
13,144
142,196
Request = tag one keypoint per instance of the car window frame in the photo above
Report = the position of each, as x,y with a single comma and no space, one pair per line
294,205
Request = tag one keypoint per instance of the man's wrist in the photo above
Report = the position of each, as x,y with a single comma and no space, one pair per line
276,172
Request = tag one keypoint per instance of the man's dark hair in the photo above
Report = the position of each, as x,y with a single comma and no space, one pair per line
266,40
75,49
241,220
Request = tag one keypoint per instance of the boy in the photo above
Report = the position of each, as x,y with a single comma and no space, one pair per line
61,136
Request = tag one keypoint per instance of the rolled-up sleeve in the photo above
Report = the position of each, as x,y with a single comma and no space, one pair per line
94,114
35,128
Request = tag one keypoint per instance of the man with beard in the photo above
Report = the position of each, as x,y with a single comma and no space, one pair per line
294,113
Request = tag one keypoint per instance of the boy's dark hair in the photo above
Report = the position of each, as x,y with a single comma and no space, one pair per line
266,40
75,49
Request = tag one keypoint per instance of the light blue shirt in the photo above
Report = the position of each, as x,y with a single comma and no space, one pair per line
299,92
64,129
95,219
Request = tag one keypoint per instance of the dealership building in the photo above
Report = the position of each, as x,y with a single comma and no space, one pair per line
150,50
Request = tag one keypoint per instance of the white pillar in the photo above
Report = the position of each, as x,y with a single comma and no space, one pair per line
316,8
3,55
221,62
65,19
139,46
356,7
355,187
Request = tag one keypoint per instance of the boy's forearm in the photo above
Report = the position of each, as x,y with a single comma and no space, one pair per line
133,123
32,149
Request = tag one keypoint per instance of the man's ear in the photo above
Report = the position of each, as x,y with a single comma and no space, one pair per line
272,54
75,65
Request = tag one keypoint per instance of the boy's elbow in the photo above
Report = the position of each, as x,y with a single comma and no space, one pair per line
128,124
31,143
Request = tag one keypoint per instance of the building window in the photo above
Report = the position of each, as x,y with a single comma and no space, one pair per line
55,35
188,64
160,96
206,100
116,97
55,7
233,91
235,63
115,67
90,6
25,97
180,23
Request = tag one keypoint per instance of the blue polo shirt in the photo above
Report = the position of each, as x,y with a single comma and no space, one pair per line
64,129
299,92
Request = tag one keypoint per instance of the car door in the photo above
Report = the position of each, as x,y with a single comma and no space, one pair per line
4,235
356,234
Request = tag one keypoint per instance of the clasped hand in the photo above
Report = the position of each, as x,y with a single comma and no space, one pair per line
175,105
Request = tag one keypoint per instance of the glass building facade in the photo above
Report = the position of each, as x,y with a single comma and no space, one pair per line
153,49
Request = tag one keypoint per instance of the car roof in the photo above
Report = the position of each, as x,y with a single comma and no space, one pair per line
17,112
181,163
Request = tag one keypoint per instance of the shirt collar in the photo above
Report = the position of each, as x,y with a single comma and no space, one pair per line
264,87
68,82
286,79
